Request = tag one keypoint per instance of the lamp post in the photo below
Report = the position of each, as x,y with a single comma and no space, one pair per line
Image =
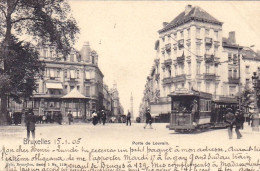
255,125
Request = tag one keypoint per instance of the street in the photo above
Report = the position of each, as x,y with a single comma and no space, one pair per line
116,146
126,134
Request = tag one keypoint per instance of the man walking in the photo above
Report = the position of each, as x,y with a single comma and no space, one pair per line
30,121
70,117
238,122
104,117
230,119
148,118
128,119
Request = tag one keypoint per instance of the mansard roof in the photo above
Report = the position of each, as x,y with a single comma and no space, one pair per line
196,14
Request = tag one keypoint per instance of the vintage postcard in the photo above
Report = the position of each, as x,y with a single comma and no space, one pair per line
129,85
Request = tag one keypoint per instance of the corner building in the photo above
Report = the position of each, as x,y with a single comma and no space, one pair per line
78,71
191,53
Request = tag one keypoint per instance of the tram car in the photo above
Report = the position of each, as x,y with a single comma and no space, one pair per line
219,106
191,110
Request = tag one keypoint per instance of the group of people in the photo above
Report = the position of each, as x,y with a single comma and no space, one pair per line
98,118
234,120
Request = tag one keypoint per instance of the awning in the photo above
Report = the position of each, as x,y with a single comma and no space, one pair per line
157,109
54,86
74,94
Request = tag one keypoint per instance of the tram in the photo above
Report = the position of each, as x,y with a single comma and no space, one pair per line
219,106
191,110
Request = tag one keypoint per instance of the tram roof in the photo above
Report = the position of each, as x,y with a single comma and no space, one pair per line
191,93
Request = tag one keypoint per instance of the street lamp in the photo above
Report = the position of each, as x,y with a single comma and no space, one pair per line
255,125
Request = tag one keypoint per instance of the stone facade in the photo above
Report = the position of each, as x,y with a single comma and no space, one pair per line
191,53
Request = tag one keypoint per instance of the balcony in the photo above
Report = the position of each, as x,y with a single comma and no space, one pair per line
167,80
180,59
181,43
167,62
179,78
168,47
208,41
209,58
209,76
233,80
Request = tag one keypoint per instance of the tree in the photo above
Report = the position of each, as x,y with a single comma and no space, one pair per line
247,96
43,20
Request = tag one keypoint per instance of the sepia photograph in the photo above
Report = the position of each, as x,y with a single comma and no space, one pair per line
129,85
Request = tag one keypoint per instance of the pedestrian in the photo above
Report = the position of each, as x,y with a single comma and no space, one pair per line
238,123
94,117
70,117
104,117
128,119
59,117
230,120
30,121
148,118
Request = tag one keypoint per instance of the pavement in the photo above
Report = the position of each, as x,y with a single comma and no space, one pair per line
121,131
137,140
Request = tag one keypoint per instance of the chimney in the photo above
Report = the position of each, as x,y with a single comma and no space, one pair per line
188,9
232,37
165,24
85,52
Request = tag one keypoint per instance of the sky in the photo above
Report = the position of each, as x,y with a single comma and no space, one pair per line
124,33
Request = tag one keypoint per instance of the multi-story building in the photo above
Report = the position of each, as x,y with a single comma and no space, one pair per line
78,72
192,54
117,108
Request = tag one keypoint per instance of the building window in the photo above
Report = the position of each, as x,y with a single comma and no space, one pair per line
206,32
216,35
176,70
198,50
229,57
78,88
207,68
188,32
93,59
198,33
182,34
247,69
71,88
207,87
189,68
198,67
71,57
87,90
45,53
65,73
230,73
207,50
235,73
175,36
232,90
87,76
72,73
234,58
198,86
189,50
66,88
247,81
51,53
58,72
77,73
216,50
52,75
